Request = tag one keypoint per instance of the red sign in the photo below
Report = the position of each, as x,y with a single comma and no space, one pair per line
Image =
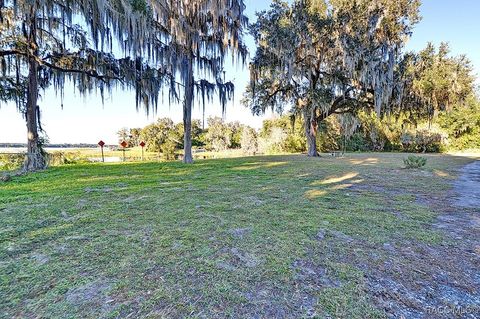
101,143
142,144
124,144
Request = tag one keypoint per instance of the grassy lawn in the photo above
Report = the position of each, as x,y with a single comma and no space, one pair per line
268,236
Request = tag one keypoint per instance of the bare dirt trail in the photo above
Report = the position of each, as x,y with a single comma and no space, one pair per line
467,187
436,281
456,267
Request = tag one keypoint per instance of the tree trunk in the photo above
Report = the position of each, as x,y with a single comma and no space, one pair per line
187,114
311,126
35,159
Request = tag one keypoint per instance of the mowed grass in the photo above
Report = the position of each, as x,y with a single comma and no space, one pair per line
219,238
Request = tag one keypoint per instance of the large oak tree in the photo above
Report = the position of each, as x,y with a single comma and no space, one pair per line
328,57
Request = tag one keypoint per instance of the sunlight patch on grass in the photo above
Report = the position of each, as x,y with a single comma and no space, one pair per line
253,166
441,173
365,161
315,193
335,179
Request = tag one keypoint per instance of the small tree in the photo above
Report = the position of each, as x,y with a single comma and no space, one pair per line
157,134
249,141
433,81
134,136
123,135
274,142
218,134
236,134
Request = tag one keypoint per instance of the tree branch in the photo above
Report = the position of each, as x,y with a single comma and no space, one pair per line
11,52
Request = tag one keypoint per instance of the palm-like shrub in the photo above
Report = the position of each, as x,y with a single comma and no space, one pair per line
413,161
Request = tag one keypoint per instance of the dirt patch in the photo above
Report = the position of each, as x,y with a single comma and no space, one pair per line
435,281
410,279
99,189
92,296
244,258
88,293
240,233
40,259
467,187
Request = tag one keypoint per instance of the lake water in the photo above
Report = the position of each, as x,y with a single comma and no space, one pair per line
48,149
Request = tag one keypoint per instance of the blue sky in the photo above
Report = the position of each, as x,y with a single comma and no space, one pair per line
85,119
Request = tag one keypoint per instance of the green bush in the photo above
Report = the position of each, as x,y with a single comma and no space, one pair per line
11,161
61,158
294,144
407,139
274,143
413,161
465,142
249,141
168,149
357,143
428,141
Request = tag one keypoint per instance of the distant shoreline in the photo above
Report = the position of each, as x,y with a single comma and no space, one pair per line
64,145
14,148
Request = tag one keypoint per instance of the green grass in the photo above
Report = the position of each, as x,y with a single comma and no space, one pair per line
218,238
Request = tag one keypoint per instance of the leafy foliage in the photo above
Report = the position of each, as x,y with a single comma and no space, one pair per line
328,57
11,161
163,137
434,81
131,136
249,141
218,135
462,124
413,161
283,134
275,143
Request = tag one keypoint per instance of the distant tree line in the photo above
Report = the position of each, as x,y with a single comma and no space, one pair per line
455,129
165,137
59,145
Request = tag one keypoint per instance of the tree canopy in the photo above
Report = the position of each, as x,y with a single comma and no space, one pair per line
197,37
328,57
434,81
43,43
176,45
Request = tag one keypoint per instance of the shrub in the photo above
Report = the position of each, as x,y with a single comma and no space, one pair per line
61,158
428,141
294,144
275,143
249,141
407,139
11,161
414,161
329,137
218,135
431,140
168,149
357,143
